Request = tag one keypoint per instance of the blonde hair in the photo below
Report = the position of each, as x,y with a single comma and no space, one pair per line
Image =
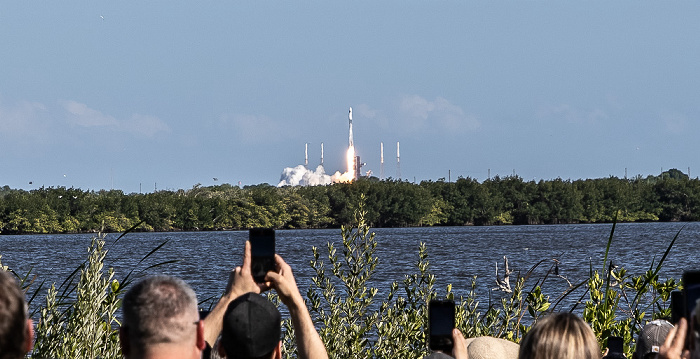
560,336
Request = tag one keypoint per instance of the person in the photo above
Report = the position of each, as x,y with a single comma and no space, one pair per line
252,329
651,338
479,348
16,329
674,345
562,336
161,320
252,325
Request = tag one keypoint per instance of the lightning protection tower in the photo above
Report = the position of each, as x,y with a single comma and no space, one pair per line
398,162
381,160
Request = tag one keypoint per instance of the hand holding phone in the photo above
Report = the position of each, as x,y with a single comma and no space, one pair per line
616,348
441,321
691,294
262,248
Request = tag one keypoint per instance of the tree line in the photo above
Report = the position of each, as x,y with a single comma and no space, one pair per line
671,196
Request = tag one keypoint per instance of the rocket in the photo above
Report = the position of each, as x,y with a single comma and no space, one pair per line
350,120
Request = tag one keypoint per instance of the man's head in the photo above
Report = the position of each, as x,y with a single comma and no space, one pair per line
252,328
160,312
651,338
15,328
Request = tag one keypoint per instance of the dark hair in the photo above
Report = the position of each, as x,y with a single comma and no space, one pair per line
13,318
560,336
266,356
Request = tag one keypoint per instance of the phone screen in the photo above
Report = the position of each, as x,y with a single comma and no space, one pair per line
441,318
691,285
616,345
677,306
262,248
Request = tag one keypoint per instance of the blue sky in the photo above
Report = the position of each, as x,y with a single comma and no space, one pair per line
133,95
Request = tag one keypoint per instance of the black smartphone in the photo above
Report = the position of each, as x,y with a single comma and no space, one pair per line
441,321
691,294
677,306
616,349
262,248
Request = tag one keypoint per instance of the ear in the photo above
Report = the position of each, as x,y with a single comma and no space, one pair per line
29,336
124,341
201,343
278,351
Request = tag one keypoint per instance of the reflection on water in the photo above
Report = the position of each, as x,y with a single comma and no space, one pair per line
455,253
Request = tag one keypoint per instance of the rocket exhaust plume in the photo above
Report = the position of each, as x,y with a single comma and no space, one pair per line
301,175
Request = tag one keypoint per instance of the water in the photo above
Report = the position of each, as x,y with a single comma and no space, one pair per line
455,253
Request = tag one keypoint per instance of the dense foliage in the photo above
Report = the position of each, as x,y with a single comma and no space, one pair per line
390,203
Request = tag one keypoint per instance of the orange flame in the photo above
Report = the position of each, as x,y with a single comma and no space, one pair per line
348,176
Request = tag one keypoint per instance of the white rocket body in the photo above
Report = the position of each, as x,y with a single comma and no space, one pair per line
350,144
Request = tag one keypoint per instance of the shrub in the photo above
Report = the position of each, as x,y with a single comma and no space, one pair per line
81,321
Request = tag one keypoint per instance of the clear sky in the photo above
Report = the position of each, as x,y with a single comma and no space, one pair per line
137,94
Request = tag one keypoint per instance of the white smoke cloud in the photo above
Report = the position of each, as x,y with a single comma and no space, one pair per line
302,176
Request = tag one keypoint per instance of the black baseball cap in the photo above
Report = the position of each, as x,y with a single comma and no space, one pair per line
252,327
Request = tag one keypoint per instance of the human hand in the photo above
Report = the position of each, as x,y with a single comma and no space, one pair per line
459,346
240,280
674,343
284,283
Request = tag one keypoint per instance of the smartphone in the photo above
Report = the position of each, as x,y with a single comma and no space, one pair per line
691,293
262,248
677,306
616,348
441,321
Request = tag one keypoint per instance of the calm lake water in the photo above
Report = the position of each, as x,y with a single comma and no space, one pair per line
455,253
